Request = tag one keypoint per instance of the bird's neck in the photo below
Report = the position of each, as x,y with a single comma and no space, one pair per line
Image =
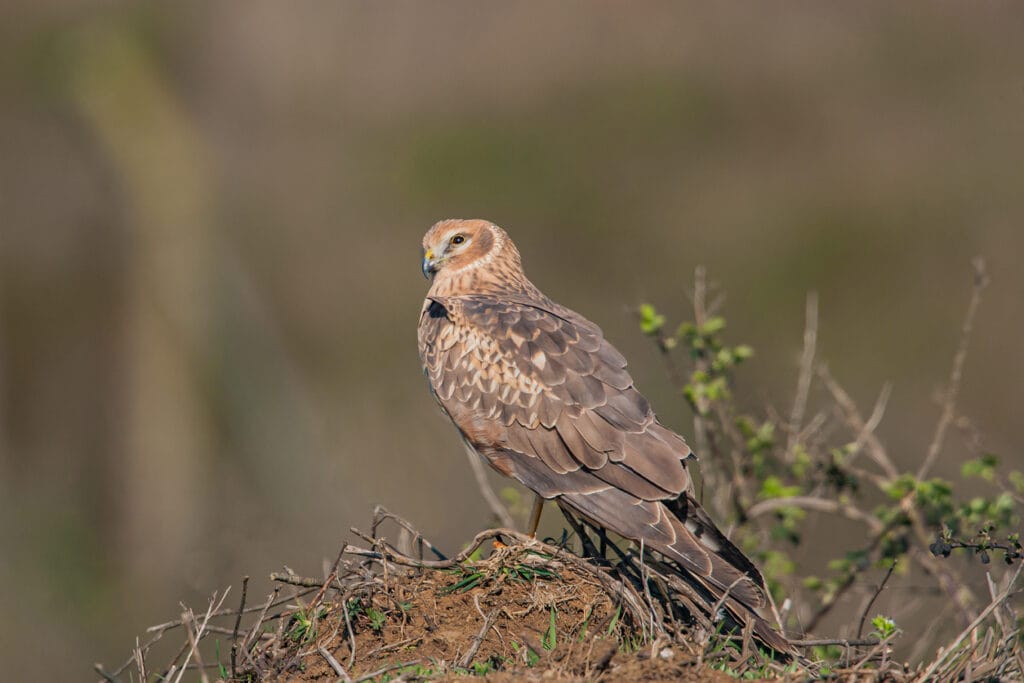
483,282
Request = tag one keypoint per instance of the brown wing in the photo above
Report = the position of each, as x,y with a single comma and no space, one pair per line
556,385
537,390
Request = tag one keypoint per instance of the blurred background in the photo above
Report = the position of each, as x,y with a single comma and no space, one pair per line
210,223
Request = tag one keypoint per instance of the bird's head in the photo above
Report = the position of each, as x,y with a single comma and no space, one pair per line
457,246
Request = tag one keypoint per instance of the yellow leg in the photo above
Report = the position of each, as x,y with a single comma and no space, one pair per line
538,507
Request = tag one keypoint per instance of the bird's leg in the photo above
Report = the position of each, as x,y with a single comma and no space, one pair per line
538,507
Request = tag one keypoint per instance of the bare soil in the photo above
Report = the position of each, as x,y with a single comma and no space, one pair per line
502,619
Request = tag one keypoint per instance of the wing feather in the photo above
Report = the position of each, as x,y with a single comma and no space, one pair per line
552,451
581,451
627,410
598,433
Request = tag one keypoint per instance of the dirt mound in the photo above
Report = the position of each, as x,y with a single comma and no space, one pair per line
524,611
518,614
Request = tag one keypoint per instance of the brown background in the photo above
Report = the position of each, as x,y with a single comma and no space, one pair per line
210,217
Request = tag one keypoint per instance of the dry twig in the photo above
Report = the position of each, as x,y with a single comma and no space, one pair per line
956,372
952,648
803,384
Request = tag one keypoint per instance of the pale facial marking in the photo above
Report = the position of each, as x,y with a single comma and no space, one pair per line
497,242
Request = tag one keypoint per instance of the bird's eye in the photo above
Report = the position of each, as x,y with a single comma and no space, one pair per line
458,239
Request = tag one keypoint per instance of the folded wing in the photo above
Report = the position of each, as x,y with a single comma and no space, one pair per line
536,389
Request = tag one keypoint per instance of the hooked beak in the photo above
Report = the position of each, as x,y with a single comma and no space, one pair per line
429,265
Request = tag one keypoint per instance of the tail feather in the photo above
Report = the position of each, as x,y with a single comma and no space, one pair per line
693,538
763,631
697,521
683,533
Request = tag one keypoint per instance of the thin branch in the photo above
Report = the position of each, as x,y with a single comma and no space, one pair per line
803,384
853,418
220,613
587,547
867,608
700,422
348,628
480,474
396,557
390,667
334,664
883,643
850,578
251,636
238,624
946,652
140,661
106,676
189,618
858,642
394,646
195,630
956,372
725,596
645,584
818,505
478,639
172,668
381,514
868,430
331,576
955,589
145,649
295,580
725,422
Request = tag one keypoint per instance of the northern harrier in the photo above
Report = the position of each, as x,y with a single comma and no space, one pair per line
536,390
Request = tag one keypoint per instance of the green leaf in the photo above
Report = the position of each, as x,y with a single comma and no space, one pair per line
465,584
651,321
377,619
742,352
614,621
984,467
772,487
712,326
550,639
901,486
686,331
884,626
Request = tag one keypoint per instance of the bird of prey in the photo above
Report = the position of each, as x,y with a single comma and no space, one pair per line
538,392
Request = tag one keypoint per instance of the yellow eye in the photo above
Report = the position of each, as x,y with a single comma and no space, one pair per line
458,239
